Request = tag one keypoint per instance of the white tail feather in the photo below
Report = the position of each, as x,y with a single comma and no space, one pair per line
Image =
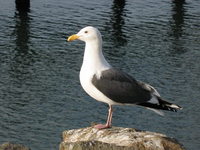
175,106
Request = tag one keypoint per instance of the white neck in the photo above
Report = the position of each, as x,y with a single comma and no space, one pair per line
93,57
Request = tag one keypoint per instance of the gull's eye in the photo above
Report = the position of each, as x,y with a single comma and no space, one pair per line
86,31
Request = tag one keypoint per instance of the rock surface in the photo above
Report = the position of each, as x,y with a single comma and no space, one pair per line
11,146
116,138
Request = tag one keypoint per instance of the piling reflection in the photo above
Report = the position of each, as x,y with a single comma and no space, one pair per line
22,5
22,54
176,25
178,13
117,22
22,31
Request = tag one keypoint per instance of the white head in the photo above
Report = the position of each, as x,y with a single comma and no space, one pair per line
87,34
93,55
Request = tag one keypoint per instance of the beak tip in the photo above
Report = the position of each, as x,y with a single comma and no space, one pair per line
72,37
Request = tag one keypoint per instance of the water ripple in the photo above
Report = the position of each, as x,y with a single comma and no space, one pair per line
40,93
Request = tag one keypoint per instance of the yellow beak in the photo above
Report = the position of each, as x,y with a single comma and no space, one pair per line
72,37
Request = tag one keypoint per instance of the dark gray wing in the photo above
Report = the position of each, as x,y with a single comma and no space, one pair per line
121,87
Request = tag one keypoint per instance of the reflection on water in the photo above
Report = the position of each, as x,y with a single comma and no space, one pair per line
22,31
22,54
19,65
114,26
177,23
116,23
178,13
22,5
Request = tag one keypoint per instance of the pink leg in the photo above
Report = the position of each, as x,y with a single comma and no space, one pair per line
109,120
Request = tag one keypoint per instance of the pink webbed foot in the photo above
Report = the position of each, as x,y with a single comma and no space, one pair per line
101,126
109,120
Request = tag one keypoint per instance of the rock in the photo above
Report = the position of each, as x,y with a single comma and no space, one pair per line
116,138
11,146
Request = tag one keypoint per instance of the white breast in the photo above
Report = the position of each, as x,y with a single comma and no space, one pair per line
86,75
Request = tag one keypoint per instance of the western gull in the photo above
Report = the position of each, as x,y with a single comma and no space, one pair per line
109,85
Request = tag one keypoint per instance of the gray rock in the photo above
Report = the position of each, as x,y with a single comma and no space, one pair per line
116,138
11,146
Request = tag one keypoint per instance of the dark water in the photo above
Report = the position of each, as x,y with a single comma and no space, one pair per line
40,95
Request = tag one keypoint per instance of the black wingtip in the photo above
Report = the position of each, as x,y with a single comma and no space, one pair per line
163,105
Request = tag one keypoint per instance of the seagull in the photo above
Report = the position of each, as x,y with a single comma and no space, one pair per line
107,84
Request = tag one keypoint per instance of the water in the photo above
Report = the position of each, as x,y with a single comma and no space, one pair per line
40,94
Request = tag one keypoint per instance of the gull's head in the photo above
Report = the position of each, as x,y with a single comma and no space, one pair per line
86,34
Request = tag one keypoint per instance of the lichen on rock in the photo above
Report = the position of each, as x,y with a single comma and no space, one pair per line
116,138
